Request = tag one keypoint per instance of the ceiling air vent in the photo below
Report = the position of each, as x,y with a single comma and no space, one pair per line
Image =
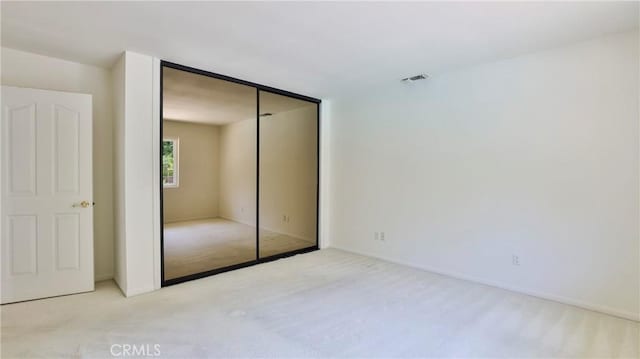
415,78
266,114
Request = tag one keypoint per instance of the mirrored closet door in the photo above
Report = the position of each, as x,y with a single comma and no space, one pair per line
288,174
209,164
239,176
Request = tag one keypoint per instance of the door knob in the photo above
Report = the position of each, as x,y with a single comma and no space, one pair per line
83,204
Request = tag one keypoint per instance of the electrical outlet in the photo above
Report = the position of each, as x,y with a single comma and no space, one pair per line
515,260
382,236
284,218
376,236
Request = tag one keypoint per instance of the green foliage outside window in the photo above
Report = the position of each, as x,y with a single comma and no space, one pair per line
168,162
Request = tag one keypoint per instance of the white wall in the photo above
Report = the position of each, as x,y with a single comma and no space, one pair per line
238,172
535,156
197,195
25,69
136,177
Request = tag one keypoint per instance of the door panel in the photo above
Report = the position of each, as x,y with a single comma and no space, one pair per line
22,238
67,238
66,132
47,235
22,149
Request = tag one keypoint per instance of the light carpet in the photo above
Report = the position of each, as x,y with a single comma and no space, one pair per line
327,303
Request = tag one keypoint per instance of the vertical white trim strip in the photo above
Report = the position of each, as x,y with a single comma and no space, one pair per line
156,173
325,173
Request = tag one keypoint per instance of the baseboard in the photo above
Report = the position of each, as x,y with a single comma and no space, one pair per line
135,291
312,242
115,279
188,219
556,298
237,220
101,277
138,291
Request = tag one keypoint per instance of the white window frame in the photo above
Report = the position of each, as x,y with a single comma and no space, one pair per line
176,162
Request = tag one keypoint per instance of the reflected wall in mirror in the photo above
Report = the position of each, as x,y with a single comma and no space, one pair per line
209,160
288,174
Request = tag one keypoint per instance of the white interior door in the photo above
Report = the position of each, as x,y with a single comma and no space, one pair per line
47,210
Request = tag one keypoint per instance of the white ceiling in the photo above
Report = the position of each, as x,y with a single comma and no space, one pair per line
196,98
319,49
